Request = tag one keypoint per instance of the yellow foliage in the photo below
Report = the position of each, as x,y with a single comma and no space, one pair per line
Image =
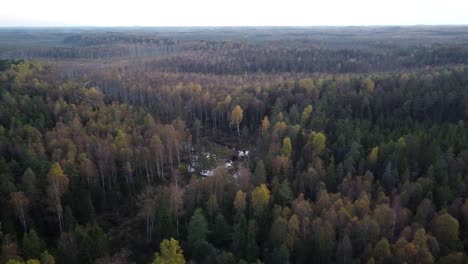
260,197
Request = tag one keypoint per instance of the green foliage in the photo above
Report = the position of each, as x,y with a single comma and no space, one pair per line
281,255
92,243
344,251
14,261
284,193
239,237
46,258
389,163
259,176
30,261
221,235
33,261
252,245
32,245
381,249
197,230
446,230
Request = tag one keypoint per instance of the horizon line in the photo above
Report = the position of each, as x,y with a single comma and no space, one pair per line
235,26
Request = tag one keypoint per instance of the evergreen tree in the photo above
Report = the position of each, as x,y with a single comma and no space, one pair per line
197,230
32,245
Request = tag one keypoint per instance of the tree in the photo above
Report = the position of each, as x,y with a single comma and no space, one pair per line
284,193
100,241
388,178
32,245
225,257
280,166
382,249
287,148
239,237
281,255
294,230
265,126
259,175
318,142
344,251
30,261
28,183
369,85
87,169
157,150
279,231
252,245
147,204
386,218
373,155
84,244
221,231
323,240
236,117
170,253
446,230
306,114
21,204
46,258
453,258
197,126
176,200
212,206
197,229
240,202
260,198
58,185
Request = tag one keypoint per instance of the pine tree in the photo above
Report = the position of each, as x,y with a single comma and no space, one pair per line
259,176
197,230
32,245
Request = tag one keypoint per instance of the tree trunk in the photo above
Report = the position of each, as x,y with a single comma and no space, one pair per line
147,173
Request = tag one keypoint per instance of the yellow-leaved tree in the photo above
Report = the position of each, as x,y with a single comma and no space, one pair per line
287,148
260,198
169,253
236,117
58,185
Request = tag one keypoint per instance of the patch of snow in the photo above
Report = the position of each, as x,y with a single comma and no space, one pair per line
206,173
243,153
190,169
228,164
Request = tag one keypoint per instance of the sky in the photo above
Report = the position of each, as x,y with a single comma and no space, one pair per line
61,13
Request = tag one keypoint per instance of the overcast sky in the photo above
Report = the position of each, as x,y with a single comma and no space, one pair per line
231,13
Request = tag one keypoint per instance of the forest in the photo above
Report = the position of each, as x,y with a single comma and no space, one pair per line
234,145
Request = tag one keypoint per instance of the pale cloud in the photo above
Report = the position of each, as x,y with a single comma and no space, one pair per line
231,13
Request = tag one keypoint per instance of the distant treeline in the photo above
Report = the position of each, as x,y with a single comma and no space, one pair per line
268,51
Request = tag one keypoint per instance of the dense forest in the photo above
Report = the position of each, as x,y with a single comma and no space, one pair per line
234,145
